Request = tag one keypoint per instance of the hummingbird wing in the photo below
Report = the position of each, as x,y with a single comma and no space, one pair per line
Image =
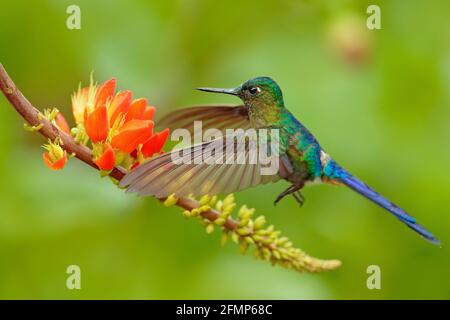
204,169
220,117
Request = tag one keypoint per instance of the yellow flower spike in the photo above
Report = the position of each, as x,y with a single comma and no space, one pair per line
220,221
259,222
186,213
243,247
229,199
249,240
256,238
228,208
224,239
276,254
242,231
209,228
284,256
275,234
288,244
262,232
171,200
224,215
204,208
268,243
213,201
235,237
219,205
281,241
242,211
204,200
266,253
243,222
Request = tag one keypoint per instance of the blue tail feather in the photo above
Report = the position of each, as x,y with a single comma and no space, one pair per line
336,172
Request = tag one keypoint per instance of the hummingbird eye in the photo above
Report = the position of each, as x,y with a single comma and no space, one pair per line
254,90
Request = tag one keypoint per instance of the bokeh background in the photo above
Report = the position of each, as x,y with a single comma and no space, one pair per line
379,102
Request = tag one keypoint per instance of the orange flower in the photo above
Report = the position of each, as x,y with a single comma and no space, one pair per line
155,143
86,99
116,121
106,160
55,158
136,110
96,124
83,102
119,106
132,134
105,92
148,113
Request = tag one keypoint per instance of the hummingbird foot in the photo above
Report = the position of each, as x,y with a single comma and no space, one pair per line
298,196
291,190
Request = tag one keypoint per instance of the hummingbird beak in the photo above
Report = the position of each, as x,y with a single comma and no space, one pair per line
233,91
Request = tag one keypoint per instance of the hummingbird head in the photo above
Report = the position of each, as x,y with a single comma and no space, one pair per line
256,92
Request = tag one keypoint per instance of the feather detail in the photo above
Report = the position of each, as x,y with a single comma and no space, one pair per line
201,169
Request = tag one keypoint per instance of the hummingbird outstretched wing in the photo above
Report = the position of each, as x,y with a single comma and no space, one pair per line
220,117
205,169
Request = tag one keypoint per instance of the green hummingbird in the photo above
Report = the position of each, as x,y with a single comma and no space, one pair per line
300,156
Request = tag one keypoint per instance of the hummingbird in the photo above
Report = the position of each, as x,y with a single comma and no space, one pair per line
302,160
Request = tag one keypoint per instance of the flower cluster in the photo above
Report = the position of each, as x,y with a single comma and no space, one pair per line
119,128
269,244
55,157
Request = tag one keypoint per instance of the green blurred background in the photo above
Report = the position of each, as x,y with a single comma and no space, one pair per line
378,101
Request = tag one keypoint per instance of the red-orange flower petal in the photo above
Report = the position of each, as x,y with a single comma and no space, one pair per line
134,165
132,134
148,113
96,124
105,92
155,143
119,105
56,165
136,110
62,123
107,160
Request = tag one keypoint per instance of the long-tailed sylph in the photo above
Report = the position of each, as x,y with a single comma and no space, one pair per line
301,158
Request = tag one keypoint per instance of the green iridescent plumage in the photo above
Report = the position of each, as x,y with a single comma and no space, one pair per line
301,158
